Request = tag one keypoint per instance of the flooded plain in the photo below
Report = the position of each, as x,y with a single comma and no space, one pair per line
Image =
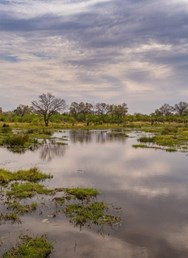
146,188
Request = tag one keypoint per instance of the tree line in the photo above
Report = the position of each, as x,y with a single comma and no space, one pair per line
50,108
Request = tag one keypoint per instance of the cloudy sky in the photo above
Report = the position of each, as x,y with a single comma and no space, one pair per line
133,51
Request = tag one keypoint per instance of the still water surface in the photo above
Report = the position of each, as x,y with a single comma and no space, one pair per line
150,186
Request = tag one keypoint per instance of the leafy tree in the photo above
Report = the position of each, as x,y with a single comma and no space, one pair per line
118,112
80,110
102,109
47,105
23,110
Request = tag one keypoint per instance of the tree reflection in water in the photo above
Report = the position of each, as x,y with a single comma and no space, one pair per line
81,136
50,149
87,136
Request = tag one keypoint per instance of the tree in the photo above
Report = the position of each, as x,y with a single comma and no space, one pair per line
80,109
23,110
165,110
74,109
47,105
181,108
102,109
118,112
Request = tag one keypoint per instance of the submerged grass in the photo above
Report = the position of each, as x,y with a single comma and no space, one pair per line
38,247
84,210
22,209
78,203
94,212
10,217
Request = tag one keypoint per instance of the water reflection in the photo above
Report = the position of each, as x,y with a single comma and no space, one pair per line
149,185
51,149
86,136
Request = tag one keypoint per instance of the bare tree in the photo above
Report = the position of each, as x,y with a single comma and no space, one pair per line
47,105
102,108
165,110
181,108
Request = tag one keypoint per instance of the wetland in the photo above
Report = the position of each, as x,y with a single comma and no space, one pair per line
81,193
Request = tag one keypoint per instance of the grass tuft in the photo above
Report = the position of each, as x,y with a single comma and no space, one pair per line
37,247
27,190
31,175
82,193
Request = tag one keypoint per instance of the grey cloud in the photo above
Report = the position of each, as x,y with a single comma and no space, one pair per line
107,35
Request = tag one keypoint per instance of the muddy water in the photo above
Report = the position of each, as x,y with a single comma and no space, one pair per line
150,187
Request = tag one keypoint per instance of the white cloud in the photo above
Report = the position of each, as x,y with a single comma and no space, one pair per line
31,9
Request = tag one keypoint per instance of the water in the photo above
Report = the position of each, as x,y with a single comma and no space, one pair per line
150,187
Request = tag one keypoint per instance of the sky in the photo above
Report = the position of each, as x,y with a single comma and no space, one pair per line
113,51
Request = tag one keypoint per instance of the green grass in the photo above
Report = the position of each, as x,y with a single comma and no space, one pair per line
16,140
27,190
167,137
144,146
32,175
82,193
38,247
146,139
26,186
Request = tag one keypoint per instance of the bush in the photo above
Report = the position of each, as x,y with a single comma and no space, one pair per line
16,140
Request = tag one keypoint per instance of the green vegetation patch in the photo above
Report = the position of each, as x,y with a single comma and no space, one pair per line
82,193
17,140
144,146
94,212
38,133
168,137
13,194
27,190
145,139
32,175
38,247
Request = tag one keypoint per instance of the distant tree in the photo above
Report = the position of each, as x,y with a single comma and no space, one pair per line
23,110
74,109
102,109
118,111
181,108
1,111
165,110
47,105
80,109
86,108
